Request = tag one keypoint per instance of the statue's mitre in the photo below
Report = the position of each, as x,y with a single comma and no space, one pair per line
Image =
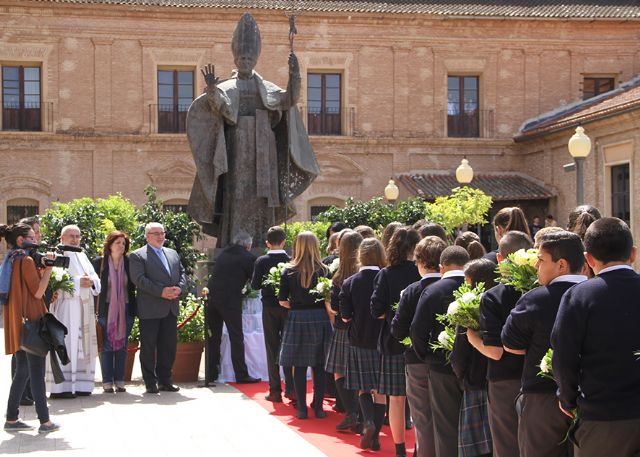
246,37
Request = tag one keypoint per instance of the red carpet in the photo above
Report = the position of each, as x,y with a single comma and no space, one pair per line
322,432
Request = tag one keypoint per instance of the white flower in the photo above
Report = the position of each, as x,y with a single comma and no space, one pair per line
273,270
320,287
334,265
453,308
468,297
244,289
544,367
280,265
443,338
520,257
58,273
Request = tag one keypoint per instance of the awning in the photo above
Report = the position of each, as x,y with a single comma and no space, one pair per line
499,186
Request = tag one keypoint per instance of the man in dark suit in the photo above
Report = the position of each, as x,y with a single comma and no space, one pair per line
231,271
159,276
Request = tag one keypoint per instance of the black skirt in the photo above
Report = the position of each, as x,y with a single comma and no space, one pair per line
338,352
392,378
363,369
305,340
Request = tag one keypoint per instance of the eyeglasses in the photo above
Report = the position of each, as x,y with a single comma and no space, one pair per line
75,236
156,233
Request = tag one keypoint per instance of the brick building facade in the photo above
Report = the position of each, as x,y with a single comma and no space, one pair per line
388,90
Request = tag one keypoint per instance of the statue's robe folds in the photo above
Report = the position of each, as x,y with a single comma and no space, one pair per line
252,156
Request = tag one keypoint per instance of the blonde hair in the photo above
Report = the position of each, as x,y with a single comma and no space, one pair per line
306,258
348,257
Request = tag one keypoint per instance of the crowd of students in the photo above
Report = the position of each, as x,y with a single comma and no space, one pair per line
377,330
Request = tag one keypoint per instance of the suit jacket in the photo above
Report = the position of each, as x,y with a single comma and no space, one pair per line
232,270
103,306
150,277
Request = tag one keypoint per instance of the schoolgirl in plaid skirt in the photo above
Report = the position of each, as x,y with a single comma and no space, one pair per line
349,242
363,364
389,283
307,333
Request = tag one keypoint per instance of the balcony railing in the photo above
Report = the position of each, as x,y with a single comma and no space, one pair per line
27,117
167,118
341,122
476,124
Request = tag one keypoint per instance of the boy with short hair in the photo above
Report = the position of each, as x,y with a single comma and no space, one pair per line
542,427
445,391
273,315
504,369
595,342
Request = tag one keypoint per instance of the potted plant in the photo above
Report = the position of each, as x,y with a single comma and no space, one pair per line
191,327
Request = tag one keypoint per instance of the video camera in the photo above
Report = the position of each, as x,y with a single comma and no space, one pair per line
61,261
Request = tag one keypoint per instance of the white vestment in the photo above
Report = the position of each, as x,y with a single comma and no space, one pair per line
76,312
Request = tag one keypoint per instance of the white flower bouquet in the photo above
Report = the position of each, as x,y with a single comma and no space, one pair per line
322,288
519,270
60,280
465,309
273,277
248,292
333,267
546,370
445,341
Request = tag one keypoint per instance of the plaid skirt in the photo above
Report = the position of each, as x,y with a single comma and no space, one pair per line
392,379
305,339
363,369
474,435
338,352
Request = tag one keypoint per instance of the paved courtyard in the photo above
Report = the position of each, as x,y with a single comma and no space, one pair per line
217,421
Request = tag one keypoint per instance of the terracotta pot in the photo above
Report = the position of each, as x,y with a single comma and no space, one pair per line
132,348
187,364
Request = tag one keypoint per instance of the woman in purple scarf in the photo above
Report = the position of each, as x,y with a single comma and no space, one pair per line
115,308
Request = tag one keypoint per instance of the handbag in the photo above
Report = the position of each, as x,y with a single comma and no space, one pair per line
30,339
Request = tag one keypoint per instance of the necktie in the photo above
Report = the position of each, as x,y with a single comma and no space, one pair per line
164,260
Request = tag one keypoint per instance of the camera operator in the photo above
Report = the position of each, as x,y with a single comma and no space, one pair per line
22,287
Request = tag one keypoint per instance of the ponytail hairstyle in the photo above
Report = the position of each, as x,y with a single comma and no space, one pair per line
10,233
402,245
306,258
471,242
581,218
348,254
582,224
511,218
388,231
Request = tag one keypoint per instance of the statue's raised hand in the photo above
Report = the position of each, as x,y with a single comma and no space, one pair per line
294,66
209,75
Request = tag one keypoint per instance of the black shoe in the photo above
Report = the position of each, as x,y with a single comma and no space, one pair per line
320,413
152,389
121,389
168,388
375,444
349,422
274,397
248,380
302,414
108,390
80,393
366,440
62,395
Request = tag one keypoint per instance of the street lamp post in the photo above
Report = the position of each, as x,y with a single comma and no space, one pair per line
391,192
464,172
579,148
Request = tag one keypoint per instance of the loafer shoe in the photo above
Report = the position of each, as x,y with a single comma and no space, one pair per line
17,426
366,440
152,389
62,395
248,380
121,389
80,393
348,422
48,428
168,388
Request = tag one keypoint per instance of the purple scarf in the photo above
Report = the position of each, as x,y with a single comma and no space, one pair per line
116,324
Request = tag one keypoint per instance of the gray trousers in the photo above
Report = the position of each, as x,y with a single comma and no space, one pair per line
542,427
446,398
608,438
417,375
503,418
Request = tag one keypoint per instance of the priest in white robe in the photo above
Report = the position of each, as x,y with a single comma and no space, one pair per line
76,311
